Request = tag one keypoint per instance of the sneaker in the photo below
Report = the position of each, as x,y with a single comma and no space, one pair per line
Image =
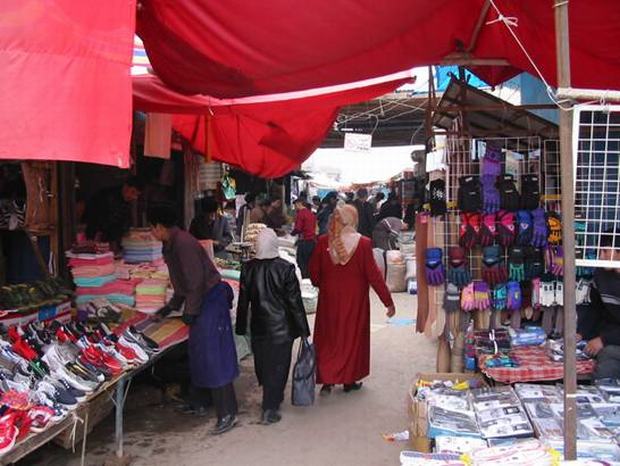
40,418
42,399
224,425
128,353
62,374
60,395
270,416
145,342
19,401
8,433
80,371
62,384
143,357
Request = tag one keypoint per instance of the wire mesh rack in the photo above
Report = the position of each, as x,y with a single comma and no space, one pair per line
596,160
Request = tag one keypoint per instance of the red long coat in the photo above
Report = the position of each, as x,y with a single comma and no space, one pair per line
342,326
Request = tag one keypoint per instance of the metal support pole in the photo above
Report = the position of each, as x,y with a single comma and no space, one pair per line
568,235
119,394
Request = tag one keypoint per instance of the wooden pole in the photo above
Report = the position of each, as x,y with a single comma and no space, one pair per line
568,234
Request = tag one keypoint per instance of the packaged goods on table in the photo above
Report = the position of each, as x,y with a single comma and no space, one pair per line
500,413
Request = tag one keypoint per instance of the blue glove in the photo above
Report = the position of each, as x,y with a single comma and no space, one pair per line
540,232
525,228
499,297
435,274
490,194
515,298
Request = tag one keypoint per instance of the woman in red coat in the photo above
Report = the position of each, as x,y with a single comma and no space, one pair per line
343,268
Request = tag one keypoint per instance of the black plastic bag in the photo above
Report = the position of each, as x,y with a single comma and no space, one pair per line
304,377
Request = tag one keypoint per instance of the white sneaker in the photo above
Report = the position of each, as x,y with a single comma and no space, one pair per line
142,356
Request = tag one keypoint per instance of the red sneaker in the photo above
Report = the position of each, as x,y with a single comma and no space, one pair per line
8,433
24,350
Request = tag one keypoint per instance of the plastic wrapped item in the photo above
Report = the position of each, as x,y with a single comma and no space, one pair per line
415,458
529,336
450,422
458,445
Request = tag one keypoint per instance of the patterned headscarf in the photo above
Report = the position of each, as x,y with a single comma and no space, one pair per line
343,236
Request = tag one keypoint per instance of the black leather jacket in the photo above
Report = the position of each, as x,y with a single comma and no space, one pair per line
269,291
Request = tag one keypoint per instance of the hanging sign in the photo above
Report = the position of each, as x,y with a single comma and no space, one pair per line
357,142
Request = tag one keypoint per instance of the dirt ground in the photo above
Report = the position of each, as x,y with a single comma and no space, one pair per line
343,429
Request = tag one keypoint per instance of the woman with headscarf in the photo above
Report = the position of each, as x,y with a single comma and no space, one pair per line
343,268
269,291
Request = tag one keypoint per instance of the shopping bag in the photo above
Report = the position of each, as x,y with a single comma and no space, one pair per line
304,378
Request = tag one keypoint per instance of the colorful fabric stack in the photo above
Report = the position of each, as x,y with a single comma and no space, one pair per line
139,246
151,294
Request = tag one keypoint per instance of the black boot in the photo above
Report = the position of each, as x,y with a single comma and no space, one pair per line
224,424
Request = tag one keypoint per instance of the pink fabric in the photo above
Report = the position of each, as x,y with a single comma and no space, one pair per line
126,287
94,271
91,262
65,83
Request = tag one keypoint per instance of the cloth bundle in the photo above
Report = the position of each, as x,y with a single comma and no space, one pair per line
140,246
151,294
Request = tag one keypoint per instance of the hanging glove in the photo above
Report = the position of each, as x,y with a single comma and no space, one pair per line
514,300
583,291
526,295
492,162
506,228
452,299
458,271
536,293
469,230
559,293
438,197
493,270
468,302
487,230
547,293
555,260
540,233
524,228
469,198
499,297
534,262
481,295
555,228
509,196
530,192
435,275
516,266
490,194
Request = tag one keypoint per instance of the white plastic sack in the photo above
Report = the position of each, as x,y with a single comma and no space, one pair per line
394,257
380,259
411,269
396,278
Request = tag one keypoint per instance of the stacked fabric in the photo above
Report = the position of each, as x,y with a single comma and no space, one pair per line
139,246
151,294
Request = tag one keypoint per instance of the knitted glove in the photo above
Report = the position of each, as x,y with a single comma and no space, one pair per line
469,230
499,297
534,263
536,293
509,196
583,291
435,275
468,303
492,162
514,299
530,192
493,270
524,228
540,233
490,194
559,293
469,199
547,293
506,228
488,230
516,266
555,228
452,299
458,271
481,295
555,260
438,197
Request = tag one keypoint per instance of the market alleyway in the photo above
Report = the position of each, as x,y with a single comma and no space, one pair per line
343,429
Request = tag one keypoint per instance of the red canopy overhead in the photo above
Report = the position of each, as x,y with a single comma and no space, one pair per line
238,48
267,136
64,80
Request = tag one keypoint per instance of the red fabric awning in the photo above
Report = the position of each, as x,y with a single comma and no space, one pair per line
64,80
238,48
267,136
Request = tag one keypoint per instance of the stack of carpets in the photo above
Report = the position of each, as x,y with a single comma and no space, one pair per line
140,246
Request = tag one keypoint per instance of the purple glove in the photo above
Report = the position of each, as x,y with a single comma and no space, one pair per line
540,233
492,162
435,274
557,262
490,194
482,297
515,298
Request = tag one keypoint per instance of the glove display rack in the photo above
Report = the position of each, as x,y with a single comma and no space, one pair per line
495,256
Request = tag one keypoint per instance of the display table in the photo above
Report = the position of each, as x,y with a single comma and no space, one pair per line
534,366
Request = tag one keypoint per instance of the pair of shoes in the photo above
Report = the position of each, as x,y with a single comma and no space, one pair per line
224,424
352,387
270,416
326,390
191,410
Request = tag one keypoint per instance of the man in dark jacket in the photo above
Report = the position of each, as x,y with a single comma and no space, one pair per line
326,210
365,213
600,325
207,299
211,225
269,292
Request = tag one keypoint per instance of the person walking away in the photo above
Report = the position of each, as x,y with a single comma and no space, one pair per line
343,268
327,208
305,228
391,207
250,199
376,202
212,226
387,233
208,300
365,213
269,292
600,323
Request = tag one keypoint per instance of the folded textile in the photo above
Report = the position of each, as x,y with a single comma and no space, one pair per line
94,271
89,257
126,287
113,298
94,281
102,259
90,247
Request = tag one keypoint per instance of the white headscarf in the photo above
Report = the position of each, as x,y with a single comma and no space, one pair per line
267,245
